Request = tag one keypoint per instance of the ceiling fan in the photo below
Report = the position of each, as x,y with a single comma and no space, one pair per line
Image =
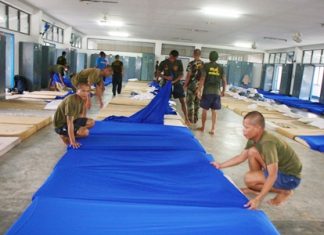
297,37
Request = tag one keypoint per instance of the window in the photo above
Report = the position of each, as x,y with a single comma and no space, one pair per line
307,57
290,57
283,58
13,19
277,58
55,33
76,40
122,46
3,15
272,58
60,35
317,83
24,22
52,32
316,58
184,51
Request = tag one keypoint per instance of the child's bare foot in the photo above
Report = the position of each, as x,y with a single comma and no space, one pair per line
247,191
281,197
200,129
212,132
188,123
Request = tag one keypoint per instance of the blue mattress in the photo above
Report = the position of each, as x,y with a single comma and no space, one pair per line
315,142
313,107
53,216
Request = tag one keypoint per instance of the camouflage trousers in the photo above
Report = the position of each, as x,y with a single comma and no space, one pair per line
192,104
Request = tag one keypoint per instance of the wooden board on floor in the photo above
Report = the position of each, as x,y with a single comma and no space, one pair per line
36,96
7,143
173,122
129,101
51,93
39,122
292,133
293,124
22,104
22,131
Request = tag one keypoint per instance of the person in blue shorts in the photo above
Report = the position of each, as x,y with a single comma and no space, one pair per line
212,78
273,165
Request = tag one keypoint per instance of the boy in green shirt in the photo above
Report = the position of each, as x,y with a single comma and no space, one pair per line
171,69
194,72
93,76
274,166
213,77
70,117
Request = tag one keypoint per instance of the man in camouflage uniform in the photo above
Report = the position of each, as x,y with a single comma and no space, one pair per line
194,70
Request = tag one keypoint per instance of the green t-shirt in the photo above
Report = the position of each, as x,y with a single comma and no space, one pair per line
117,67
174,69
61,60
275,150
195,67
70,106
57,69
90,76
213,74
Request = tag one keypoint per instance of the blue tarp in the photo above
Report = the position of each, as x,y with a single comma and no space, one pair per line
108,81
53,216
313,107
139,129
159,183
125,142
152,177
315,142
153,113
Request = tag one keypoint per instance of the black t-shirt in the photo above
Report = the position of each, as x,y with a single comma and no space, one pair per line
117,67
174,69
61,60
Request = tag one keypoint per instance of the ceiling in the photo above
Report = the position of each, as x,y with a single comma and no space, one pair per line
183,20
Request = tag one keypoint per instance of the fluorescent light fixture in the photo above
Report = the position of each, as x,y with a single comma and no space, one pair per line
111,23
221,12
118,34
243,44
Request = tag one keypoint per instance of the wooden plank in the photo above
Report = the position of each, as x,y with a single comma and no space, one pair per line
51,93
36,96
173,122
129,101
22,131
22,104
7,143
39,122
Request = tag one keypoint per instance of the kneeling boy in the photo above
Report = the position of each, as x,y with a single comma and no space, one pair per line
70,117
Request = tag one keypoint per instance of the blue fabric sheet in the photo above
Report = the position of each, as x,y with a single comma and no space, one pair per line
153,113
153,184
313,107
125,142
108,81
53,216
138,129
315,142
167,178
